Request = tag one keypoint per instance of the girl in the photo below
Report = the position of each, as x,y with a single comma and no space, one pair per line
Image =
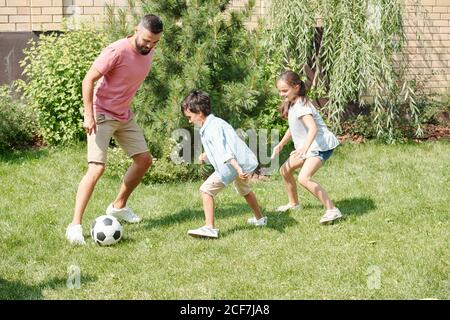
314,144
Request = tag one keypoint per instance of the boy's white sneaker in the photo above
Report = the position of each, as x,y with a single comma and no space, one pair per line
257,222
331,215
287,207
205,232
124,213
74,233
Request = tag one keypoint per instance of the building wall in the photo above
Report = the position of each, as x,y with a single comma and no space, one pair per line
46,15
430,56
430,52
30,15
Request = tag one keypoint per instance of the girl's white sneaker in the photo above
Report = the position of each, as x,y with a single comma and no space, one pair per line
287,207
205,232
331,215
257,222
74,233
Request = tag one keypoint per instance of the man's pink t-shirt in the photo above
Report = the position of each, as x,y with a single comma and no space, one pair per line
123,70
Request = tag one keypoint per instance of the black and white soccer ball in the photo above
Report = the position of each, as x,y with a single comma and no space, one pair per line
106,230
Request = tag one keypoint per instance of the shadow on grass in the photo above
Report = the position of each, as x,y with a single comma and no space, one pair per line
355,206
348,207
180,216
317,206
128,238
17,290
275,221
190,214
19,156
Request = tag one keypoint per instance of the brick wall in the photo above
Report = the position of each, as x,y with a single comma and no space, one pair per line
430,55
92,11
259,11
40,15
46,15
430,52
428,35
30,15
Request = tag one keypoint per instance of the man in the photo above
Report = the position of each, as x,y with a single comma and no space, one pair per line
120,70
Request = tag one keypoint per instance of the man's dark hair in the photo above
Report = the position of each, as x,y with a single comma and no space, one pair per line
197,101
152,23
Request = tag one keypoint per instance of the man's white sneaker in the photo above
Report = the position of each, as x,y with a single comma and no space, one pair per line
74,233
257,222
205,232
287,207
331,215
125,214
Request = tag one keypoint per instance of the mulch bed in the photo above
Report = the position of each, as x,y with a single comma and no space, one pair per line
431,132
434,132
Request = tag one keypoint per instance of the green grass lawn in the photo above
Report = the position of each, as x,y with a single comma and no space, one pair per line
392,244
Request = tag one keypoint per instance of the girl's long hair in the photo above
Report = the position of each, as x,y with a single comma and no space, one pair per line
292,79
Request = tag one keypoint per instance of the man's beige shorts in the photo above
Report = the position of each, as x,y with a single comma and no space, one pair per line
213,185
127,134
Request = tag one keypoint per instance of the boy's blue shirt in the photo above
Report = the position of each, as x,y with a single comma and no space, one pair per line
221,144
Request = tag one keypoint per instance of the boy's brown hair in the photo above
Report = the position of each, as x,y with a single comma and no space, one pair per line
197,101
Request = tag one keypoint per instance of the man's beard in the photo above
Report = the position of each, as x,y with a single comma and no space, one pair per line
142,50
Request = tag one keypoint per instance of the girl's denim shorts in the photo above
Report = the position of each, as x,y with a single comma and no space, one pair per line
325,155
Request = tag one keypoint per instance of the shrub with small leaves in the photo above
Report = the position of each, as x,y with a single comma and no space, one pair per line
205,46
163,169
17,122
54,68
358,51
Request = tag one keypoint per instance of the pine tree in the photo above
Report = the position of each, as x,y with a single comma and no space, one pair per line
205,46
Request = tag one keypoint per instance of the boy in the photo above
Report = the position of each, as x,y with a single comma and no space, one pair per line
232,160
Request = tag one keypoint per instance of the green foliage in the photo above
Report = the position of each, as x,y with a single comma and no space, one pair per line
17,122
360,125
120,21
54,68
203,47
357,52
291,29
438,111
163,169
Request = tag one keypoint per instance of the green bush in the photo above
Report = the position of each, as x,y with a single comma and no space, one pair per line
437,111
361,125
358,51
163,169
206,47
17,122
202,48
54,68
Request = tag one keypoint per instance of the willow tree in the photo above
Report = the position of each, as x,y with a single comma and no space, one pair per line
355,48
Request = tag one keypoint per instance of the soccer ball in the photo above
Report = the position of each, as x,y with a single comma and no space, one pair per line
106,230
